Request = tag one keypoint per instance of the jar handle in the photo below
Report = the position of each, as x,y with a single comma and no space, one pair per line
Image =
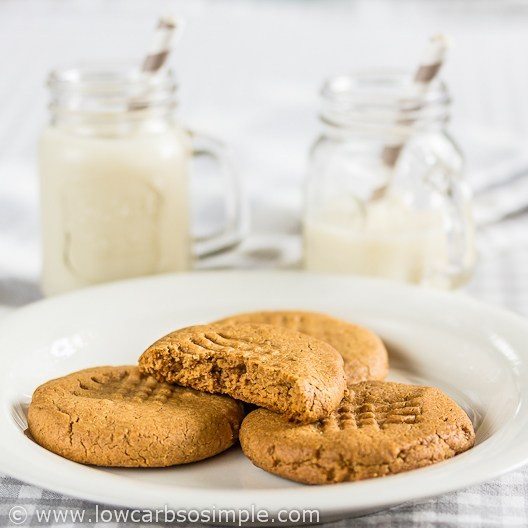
458,229
235,226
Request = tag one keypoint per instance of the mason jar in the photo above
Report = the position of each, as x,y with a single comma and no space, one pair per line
114,166
385,194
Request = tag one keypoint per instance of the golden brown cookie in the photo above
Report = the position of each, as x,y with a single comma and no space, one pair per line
379,429
273,367
116,416
363,351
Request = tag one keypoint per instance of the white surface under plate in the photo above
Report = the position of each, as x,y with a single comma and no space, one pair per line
475,353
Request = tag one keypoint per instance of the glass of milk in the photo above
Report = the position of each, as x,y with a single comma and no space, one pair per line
114,169
408,218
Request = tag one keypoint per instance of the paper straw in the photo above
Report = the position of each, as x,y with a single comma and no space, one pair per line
431,64
163,40
433,59
162,43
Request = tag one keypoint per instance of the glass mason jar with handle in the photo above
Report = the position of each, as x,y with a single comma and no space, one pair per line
114,167
385,194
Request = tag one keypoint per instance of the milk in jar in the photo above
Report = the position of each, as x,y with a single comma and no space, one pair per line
391,240
112,207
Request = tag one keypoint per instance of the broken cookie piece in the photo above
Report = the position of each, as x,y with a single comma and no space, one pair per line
270,366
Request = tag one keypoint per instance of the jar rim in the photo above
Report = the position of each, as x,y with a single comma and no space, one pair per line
106,74
382,98
377,85
110,87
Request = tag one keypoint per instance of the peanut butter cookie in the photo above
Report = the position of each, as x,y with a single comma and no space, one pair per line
363,352
116,416
379,429
273,367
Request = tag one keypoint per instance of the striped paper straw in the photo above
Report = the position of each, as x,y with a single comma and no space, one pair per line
162,43
431,64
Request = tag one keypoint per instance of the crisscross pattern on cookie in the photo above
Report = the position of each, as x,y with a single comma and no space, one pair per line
377,414
128,387
220,341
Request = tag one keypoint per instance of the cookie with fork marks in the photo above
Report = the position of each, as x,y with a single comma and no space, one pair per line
117,416
379,429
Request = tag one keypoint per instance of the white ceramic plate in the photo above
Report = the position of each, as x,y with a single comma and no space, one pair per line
476,354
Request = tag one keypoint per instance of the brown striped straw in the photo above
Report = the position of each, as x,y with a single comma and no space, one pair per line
160,47
162,43
431,64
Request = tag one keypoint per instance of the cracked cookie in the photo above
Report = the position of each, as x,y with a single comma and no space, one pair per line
116,416
364,355
379,429
272,367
